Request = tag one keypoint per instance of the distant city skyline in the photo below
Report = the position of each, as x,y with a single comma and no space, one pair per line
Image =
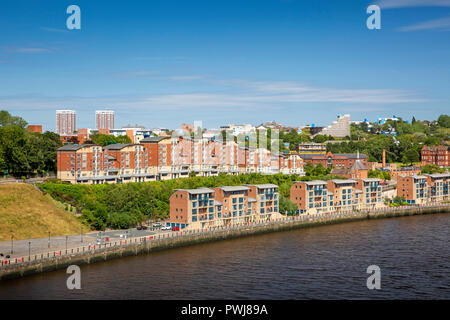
164,63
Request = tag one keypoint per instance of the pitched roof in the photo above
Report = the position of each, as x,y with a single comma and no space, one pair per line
339,181
118,146
233,188
74,147
358,165
154,139
197,191
312,183
263,186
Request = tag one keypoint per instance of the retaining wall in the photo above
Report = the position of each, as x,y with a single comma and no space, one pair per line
144,245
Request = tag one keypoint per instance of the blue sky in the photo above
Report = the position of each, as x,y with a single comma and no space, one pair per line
163,63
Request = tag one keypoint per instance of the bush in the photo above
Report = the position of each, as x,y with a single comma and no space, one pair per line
125,205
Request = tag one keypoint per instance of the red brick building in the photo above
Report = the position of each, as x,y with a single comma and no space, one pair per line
338,160
438,155
34,128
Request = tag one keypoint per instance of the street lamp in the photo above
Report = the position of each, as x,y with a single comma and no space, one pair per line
12,244
29,250
49,239
66,243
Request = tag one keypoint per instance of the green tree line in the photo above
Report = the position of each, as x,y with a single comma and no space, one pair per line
125,205
23,152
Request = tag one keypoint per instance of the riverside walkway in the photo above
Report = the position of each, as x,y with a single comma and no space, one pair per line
185,237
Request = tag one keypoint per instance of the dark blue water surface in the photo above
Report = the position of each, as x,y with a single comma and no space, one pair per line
327,262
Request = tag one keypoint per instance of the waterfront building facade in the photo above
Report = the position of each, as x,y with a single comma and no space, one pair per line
313,197
370,195
438,184
223,206
414,189
345,195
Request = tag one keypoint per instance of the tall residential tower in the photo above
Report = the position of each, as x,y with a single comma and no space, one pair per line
104,119
65,122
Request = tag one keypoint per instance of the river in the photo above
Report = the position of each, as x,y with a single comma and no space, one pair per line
327,262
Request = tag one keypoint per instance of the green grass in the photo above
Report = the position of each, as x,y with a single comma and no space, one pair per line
27,214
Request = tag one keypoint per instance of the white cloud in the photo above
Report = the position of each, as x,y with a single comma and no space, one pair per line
440,24
259,95
27,50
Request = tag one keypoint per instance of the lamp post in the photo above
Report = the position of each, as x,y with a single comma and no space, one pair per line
12,244
66,242
29,250
81,233
49,239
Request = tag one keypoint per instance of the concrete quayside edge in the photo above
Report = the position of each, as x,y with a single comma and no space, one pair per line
193,237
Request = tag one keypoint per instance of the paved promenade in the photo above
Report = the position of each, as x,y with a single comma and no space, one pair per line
37,249
22,248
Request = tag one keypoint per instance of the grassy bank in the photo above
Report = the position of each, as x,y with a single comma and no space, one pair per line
28,214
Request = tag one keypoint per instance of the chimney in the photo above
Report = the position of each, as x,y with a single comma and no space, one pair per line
384,158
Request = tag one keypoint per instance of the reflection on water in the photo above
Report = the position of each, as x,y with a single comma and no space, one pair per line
326,262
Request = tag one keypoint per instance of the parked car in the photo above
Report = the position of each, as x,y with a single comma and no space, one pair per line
165,228
157,225
175,228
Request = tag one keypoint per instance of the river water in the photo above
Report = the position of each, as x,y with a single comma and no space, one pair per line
327,262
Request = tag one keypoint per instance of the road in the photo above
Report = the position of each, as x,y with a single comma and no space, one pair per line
38,246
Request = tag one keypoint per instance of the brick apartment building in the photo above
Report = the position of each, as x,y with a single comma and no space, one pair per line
336,195
163,158
413,188
424,188
338,160
438,155
227,205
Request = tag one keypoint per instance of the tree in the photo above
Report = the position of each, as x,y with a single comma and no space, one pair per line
432,168
410,156
7,120
104,139
286,205
444,121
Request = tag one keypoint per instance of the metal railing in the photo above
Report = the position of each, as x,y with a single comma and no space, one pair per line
301,218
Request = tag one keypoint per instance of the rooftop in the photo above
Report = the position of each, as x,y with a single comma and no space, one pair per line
234,188
74,147
263,186
312,183
197,191
339,181
118,146
154,139
438,175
